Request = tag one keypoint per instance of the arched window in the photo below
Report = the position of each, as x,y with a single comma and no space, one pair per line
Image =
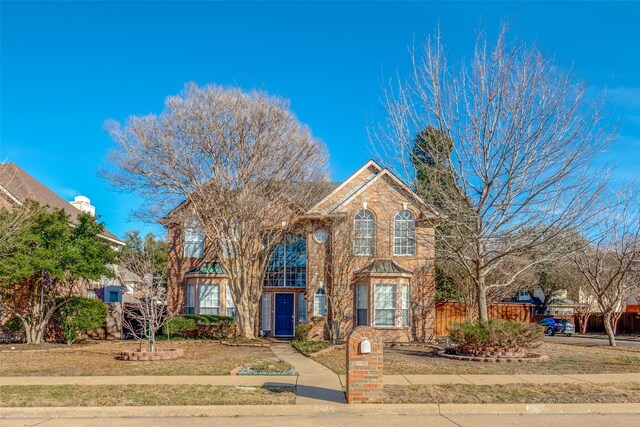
288,263
404,234
320,303
364,230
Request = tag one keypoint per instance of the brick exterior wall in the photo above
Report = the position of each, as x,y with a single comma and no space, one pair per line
385,198
364,371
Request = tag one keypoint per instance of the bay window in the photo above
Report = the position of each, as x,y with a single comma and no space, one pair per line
405,305
362,305
209,299
384,300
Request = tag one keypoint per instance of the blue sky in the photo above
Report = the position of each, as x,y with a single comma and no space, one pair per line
66,67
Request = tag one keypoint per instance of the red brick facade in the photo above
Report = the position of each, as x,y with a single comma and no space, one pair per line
364,370
378,191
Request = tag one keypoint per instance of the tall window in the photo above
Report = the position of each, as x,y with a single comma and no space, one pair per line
384,300
288,263
231,307
362,305
266,312
191,299
193,240
209,299
320,303
302,308
405,305
404,234
364,230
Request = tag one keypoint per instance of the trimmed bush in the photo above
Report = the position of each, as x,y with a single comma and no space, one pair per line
15,325
79,314
302,331
178,326
207,326
496,333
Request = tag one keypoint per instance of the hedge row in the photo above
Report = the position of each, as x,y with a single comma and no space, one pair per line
206,326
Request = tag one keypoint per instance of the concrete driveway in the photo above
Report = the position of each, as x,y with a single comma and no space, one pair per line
590,341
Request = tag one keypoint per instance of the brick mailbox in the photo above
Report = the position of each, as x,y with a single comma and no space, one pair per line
364,365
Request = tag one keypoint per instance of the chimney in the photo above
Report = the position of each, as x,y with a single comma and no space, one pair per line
83,204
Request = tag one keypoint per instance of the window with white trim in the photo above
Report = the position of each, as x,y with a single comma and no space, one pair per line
404,233
302,308
209,299
266,312
362,305
191,299
231,307
405,305
384,305
364,230
193,240
320,303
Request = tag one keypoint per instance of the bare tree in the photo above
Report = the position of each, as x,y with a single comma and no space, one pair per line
341,263
524,141
243,165
149,313
609,264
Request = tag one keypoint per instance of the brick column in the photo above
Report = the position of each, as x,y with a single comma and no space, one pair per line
364,371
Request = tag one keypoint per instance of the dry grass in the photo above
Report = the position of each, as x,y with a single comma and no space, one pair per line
565,359
142,395
514,393
99,358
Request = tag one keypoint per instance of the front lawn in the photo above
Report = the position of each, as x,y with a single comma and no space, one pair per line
143,395
99,358
514,393
565,359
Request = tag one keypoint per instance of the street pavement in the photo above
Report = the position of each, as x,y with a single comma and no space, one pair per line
592,340
564,420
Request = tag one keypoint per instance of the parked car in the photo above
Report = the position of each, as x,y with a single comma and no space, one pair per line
554,326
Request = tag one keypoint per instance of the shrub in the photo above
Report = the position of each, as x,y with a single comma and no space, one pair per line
206,326
302,331
307,347
14,325
179,326
496,333
78,314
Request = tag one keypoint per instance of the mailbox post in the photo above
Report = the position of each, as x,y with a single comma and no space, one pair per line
364,365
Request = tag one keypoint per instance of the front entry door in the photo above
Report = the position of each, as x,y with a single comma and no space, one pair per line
284,315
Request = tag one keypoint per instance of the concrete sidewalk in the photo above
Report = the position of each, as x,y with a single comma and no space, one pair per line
317,384
312,374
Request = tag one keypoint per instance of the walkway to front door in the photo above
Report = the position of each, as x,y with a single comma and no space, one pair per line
284,315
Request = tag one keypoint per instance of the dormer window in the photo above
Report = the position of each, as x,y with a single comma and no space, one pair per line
193,240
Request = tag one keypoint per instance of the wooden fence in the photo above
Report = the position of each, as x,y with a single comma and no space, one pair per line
448,313
629,324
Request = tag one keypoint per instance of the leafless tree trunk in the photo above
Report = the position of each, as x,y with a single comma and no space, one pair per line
150,312
524,141
341,261
609,264
243,165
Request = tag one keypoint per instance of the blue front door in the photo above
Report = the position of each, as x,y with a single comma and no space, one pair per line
284,315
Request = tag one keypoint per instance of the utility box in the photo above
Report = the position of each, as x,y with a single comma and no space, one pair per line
364,366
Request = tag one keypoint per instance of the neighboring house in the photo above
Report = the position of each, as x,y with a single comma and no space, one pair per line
393,246
559,303
16,186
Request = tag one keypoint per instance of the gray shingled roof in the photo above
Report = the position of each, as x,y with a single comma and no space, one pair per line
21,186
385,266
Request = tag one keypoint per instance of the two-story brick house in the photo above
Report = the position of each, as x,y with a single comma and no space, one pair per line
391,281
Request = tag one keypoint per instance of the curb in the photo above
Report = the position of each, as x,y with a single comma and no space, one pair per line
287,410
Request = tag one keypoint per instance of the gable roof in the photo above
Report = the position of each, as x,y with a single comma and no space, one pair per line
18,186
379,173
